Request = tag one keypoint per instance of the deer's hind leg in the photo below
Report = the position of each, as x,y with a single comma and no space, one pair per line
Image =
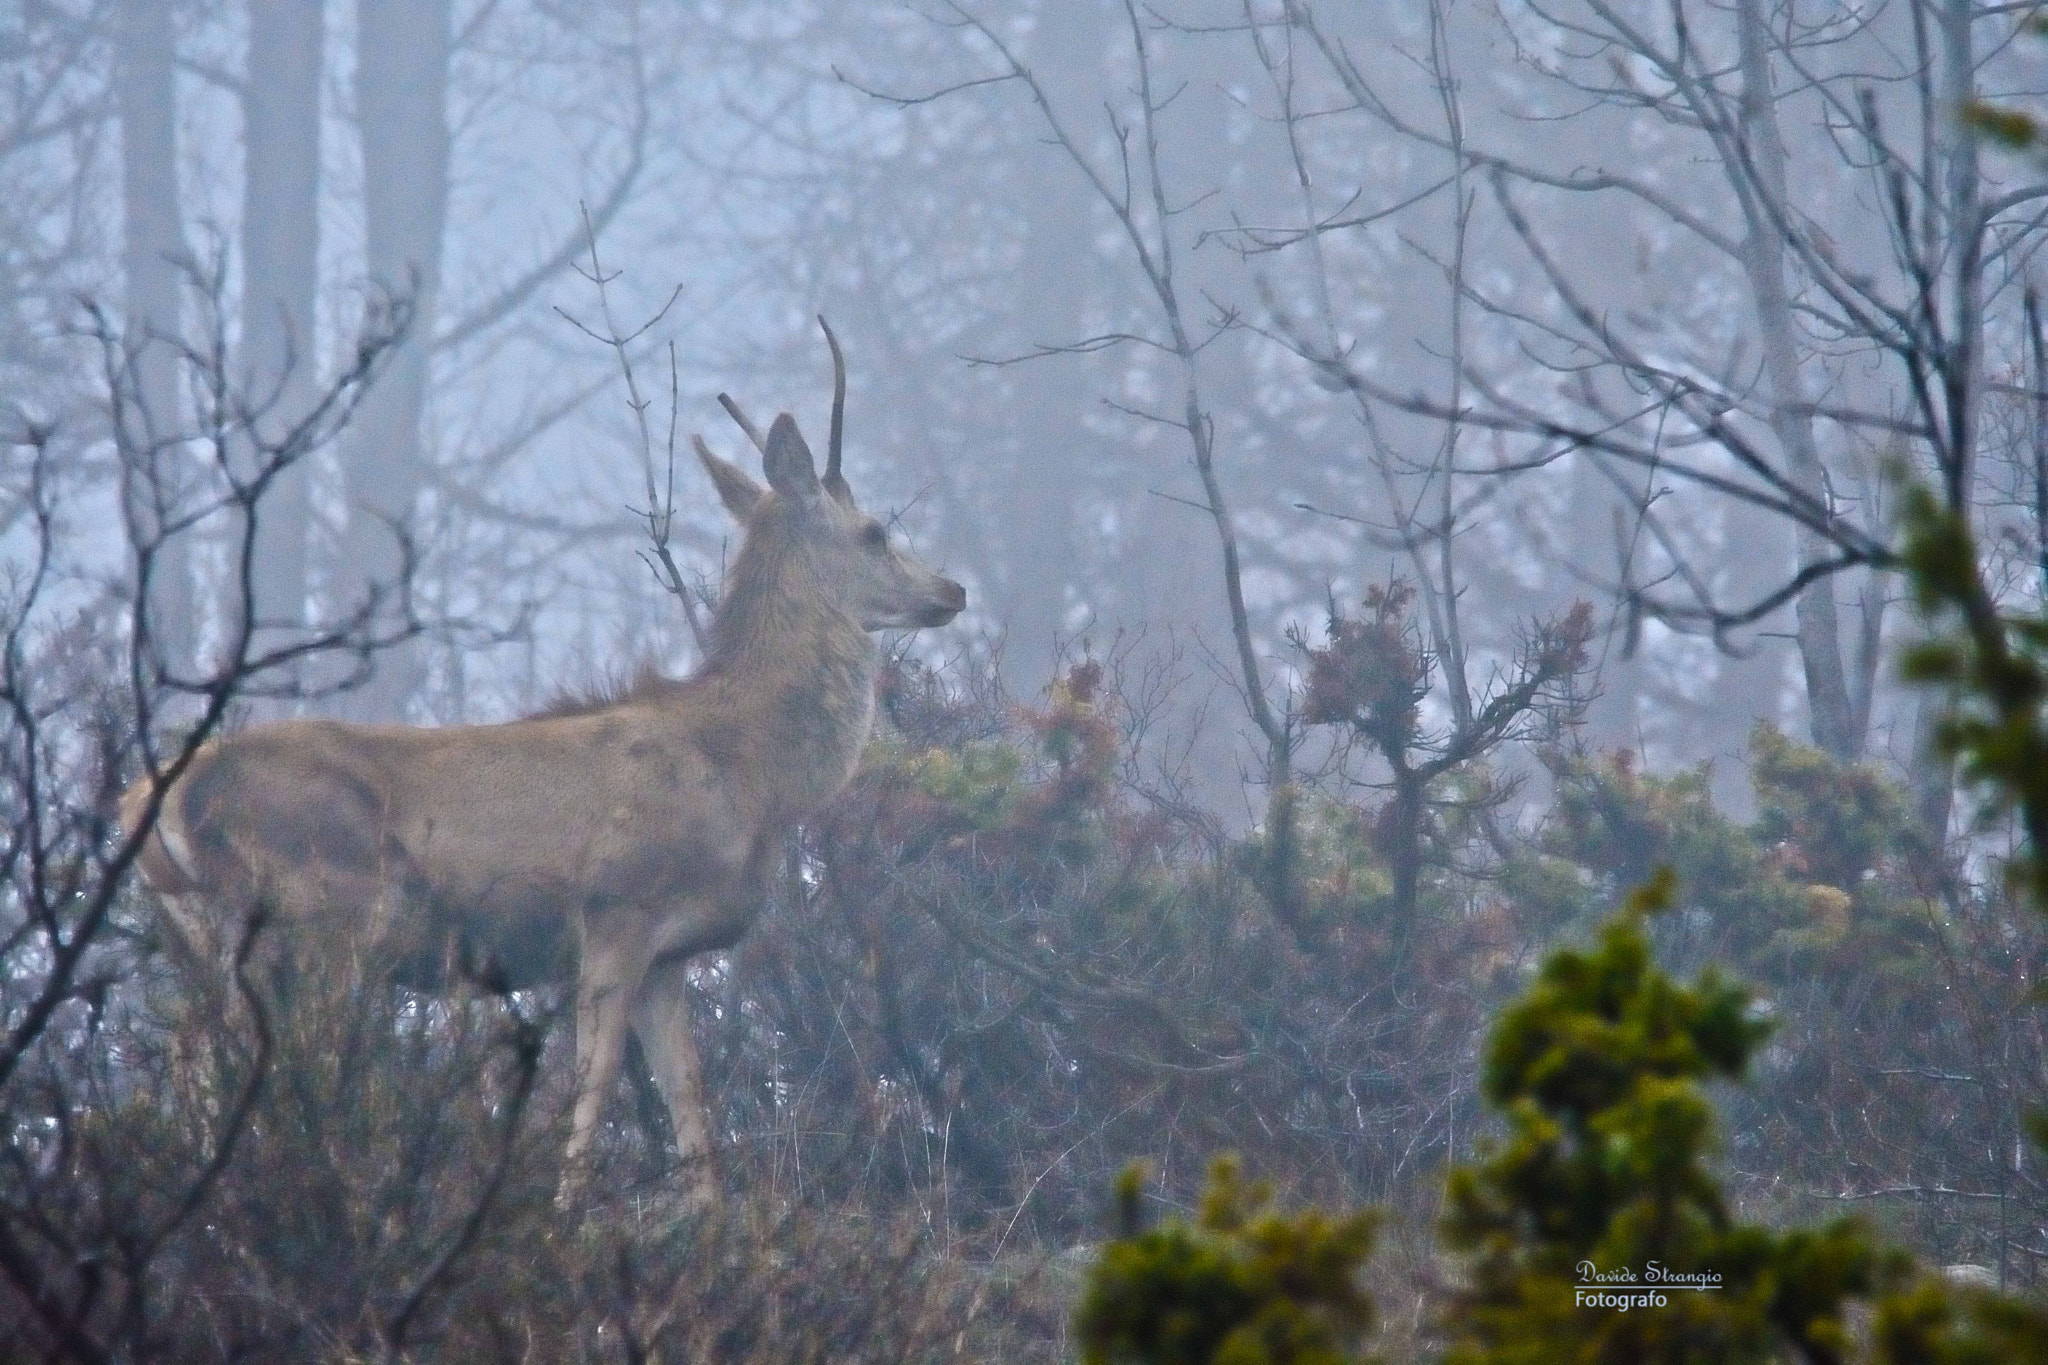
661,1019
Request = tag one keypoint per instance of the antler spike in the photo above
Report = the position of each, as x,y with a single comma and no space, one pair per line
835,482
732,410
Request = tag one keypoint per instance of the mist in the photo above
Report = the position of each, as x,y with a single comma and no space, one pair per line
1415,468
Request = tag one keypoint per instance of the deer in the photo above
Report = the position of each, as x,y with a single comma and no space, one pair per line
614,840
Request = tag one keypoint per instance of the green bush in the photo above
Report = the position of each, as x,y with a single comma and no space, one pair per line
1241,1285
1595,1229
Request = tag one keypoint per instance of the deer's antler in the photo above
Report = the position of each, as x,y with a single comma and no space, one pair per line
835,482
732,410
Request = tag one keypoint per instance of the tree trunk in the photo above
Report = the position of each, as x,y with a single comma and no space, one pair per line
1764,205
152,250
280,275
1962,252
401,99
1040,486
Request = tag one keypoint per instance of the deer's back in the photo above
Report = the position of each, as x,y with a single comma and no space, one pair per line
529,821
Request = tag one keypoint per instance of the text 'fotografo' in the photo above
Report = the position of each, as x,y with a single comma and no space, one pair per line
1622,1288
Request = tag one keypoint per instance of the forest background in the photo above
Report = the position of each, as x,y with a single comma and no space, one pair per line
1417,469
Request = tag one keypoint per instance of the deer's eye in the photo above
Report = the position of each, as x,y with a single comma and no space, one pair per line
873,536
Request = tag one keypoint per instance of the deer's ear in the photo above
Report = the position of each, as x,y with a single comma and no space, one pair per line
740,494
791,471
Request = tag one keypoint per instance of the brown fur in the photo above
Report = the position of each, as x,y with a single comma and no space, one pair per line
645,682
638,828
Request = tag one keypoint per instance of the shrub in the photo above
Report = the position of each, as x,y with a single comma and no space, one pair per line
1243,1284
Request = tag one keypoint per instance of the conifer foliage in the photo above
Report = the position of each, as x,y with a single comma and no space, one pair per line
1596,1230
1242,1285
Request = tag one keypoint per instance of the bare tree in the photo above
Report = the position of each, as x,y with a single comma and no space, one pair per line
401,92
154,260
53,121
1870,254
1132,185
417,136
280,238
82,705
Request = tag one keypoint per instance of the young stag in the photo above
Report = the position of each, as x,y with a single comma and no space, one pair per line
641,830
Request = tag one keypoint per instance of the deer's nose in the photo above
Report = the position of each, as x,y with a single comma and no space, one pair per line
952,601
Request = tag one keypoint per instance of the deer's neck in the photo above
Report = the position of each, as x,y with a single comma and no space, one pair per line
800,673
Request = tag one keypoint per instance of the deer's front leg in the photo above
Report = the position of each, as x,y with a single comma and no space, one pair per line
661,1017
609,978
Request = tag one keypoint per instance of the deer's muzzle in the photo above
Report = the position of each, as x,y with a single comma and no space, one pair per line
952,601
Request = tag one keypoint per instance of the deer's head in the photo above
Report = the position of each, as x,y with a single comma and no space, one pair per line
819,535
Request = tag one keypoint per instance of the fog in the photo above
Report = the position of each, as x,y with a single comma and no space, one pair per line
974,199
1416,466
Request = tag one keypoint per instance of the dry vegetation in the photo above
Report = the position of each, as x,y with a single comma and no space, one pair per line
992,977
